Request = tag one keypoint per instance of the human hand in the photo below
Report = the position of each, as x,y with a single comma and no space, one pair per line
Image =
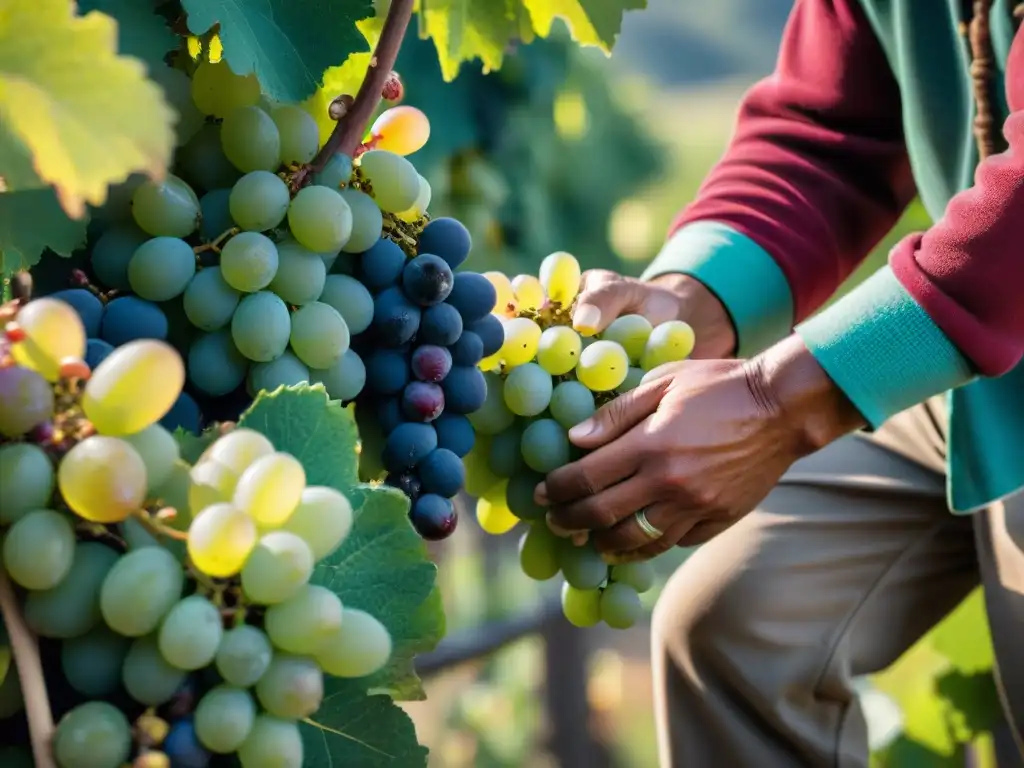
606,295
696,446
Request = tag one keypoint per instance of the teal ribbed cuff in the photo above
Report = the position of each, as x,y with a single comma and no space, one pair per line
883,350
740,273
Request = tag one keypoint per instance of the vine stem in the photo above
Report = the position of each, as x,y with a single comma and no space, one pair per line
30,673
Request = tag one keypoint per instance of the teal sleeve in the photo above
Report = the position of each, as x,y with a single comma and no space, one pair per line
740,273
883,350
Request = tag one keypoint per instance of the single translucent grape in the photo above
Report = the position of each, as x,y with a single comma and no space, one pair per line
26,400
140,589
668,343
238,449
209,302
134,387
103,479
418,208
529,292
210,483
72,607
52,332
216,90
639,575
393,179
272,743
92,662
168,208
300,136
305,620
39,549
320,219
319,335
270,489
249,262
631,333
284,371
361,647
402,130
161,268
220,539
492,512
571,403
323,520
259,201
215,366
522,340
277,568
27,480
528,390
250,140
505,303
300,274
146,674
261,326
292,687
493,416
620,606
367,221
91,735
539,553
190,633
545,446
560,277
224,717
603,366
244,655
582,607
158,450
338,171
559,349
344,380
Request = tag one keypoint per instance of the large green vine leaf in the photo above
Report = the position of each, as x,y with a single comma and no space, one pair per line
140,32
32,221
287,43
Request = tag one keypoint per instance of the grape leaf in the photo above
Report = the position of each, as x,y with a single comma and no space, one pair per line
464,30
591,22
88,116
140,32
287,43
974,701
32,221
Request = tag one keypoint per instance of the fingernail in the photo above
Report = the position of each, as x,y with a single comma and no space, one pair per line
586,319
583,429
580,538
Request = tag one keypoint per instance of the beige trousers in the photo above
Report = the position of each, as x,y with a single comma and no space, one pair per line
851,559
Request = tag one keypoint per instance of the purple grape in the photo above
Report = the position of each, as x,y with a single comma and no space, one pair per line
448,238
431,363
427,280
434,517
407,483
407,445
183,748
442,472
26,400
468,350
440,324
422,401
389,414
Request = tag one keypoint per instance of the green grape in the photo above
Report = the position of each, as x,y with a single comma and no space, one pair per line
352,300
27,401
92,735
323,520
215,366
631,333
103,479
278,567
250,140
603,366
53,332
216,90
582,607
39,549
336,172
300,136
270,489
72,607
92,662
201,162
26,480
320,219
238,449
633,379
319,335
582,566
209,302
249,262
638,575
178,91
529,292
224,717
292,687
528,390
110,254
210,483
140,589
243,656
305,620
620,606
538,553
494,416
504,457
560,277
259,201
522,339
300,274
134,387
545,446
419,208
519,495
220,539
272,743
161,268
572,403
367,220
146,674
479,477
261,326
190,633
158,450
344,380
559,350
285,371
668,343
168,208
394,180
361,647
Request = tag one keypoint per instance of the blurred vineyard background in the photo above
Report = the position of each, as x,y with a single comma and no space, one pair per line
564,149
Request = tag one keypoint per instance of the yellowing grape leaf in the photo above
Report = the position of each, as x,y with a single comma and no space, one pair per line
592,22
286,43
88,116
464,30
336,81
32,221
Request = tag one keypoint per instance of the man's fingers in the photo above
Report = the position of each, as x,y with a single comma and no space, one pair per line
622,414
603,297
591,474
604,510
628,534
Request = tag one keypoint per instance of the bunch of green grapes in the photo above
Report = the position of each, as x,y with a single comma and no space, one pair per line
185,587
547,378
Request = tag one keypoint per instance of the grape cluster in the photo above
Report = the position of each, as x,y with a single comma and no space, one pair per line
177,596
546,378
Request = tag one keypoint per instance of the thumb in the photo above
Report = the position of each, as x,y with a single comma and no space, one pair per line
597,306
620,415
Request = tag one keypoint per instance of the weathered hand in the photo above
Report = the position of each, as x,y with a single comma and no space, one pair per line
697,446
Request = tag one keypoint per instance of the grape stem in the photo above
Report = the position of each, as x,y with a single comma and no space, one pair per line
30,673
348,132
214,245
157,529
